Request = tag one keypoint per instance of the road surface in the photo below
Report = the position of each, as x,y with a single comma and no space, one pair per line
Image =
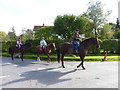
36,74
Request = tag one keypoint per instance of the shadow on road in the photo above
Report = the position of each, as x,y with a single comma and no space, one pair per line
17,61
44,76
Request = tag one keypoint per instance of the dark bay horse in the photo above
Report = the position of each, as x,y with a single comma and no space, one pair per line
66,47
46,51
14,49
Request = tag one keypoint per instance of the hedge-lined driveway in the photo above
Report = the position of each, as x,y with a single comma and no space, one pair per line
35,74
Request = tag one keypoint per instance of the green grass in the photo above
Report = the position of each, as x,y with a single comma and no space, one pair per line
89,57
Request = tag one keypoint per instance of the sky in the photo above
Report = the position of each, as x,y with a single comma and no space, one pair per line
24,14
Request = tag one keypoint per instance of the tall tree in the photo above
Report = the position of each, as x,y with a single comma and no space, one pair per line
106,32
3,36
96,15
12,34
65,25
27,34
84,25
46,32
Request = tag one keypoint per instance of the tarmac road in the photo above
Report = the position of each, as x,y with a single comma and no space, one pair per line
36,74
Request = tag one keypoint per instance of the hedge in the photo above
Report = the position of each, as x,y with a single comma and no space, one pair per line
111,45
108,45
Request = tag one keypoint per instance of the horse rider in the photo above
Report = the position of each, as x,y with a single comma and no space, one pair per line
76,39
43,43
19,43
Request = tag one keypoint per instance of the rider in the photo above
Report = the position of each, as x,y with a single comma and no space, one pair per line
43,43
76,39
19,43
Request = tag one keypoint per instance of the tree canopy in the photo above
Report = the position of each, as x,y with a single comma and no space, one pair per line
65,25
46,32
96,15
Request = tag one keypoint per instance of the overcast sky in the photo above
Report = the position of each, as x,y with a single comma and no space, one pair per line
27,13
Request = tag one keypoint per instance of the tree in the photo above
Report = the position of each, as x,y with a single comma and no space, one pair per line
117,34
84,25
27,34
97,16
65,25
106,32
12,35
116,29
3,36
46,32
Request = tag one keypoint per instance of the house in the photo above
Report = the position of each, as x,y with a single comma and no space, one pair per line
38,27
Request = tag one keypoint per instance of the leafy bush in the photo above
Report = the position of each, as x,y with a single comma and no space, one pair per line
109,45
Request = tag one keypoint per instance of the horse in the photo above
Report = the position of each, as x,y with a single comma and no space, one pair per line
67,47
13,49
46,51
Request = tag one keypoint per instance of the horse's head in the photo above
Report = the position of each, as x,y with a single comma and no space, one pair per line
96,42
52,46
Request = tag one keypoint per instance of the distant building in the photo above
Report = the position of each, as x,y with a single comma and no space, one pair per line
38,27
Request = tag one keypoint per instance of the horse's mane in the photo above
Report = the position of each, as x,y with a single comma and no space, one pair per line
87,40
50,44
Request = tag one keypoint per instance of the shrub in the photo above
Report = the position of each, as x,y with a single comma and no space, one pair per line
109,45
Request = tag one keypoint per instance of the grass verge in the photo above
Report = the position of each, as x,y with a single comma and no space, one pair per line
89,57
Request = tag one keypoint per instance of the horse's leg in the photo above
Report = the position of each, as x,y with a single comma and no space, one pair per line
12,53
82,64
48,58
38,58
82,58
58,55
22,56
62,60
12,56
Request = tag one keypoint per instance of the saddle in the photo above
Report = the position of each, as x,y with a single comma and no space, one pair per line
42,48
19,47
72,44
75,45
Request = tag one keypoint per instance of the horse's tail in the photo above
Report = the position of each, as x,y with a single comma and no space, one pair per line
58,54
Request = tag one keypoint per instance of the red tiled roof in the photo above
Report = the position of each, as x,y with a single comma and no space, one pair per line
37,27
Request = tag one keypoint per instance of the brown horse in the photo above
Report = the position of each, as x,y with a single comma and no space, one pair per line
83,48
14,49
46,51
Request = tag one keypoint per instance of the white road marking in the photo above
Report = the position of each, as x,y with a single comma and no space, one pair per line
15,65
4,76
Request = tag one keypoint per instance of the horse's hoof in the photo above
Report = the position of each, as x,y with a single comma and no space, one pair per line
83,68
78,66
63,66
